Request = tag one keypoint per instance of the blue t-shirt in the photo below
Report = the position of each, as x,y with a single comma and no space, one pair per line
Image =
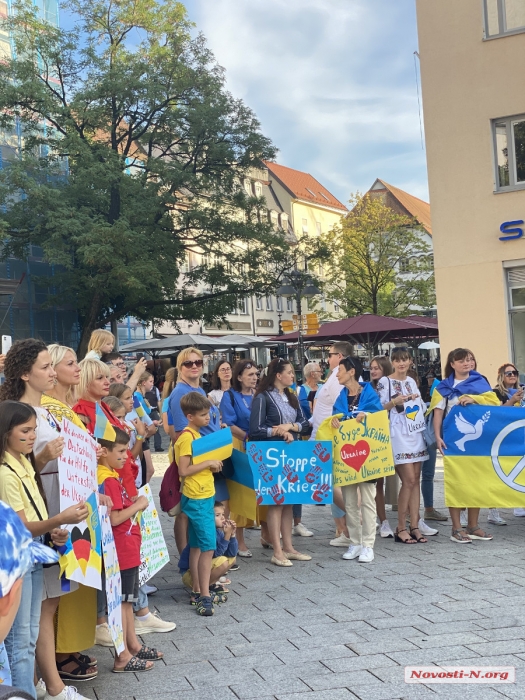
179,419
166,409
236,412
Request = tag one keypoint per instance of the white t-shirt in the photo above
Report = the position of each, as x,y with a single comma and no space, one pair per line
448,405
324,401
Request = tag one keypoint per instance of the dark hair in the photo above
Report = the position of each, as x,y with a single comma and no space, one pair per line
13,413
192,402
218,504
108,357
386,368
19,360
215,379
118,390
454,356
400,354
238,369
121,438
353,363
267,382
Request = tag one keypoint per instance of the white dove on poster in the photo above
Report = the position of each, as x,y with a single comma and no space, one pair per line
471,432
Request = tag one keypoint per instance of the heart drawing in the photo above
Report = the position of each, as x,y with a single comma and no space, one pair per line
355,455
81,542
411,412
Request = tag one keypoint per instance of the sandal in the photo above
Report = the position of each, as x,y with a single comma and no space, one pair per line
194,598
459,537
265,544
218,588
85,659
205,607
149,654
135,665
409,539
224,580
80,672
421,537
483,536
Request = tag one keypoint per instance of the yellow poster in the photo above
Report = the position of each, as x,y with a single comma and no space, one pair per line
361,451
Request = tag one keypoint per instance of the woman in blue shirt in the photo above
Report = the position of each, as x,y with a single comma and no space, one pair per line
312,376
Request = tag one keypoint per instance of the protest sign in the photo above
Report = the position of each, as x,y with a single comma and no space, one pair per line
77,473
113,582
153,551
291,473
362,451
484,462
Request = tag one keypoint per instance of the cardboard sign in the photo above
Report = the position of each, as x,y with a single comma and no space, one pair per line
415,416
291,473
153,551
113,582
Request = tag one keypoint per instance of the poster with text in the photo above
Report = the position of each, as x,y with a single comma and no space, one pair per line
153,551
113,582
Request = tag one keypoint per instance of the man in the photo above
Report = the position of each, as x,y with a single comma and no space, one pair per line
115,359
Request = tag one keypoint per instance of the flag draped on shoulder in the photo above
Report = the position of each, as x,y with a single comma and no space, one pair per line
475,386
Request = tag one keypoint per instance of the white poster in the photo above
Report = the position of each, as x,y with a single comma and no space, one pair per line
113,583
153,551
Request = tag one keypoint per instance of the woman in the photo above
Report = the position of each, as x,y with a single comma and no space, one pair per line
380,366
508,388
221,381
462,385
277,415
354,400
308,390
408,443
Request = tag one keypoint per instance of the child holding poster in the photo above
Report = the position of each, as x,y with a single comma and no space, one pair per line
126,532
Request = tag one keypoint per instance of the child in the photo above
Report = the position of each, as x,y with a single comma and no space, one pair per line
223,558
198,499
101,342
126,531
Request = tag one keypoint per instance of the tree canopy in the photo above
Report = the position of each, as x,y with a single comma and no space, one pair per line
132,158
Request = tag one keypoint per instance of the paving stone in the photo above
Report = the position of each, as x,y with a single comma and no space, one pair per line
350,680
445,640
245,691
513,646
339,694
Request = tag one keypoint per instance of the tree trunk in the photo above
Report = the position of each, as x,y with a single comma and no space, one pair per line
88,326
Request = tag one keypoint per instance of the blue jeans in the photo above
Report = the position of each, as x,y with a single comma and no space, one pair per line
20,643
428,470
297,510
142,602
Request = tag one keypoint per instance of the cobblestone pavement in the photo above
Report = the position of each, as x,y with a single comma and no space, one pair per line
331,629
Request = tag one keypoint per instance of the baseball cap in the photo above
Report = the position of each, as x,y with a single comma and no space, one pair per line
18,551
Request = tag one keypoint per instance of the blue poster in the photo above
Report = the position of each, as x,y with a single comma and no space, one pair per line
291,473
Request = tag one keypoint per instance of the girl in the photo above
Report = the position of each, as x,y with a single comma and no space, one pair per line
100,343
21,488
399,392
277,415
221,381
167,421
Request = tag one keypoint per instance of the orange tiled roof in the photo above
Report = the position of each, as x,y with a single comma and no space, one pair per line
417,208
304,186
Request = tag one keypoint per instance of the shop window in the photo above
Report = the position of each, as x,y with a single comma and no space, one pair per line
503,17
509,152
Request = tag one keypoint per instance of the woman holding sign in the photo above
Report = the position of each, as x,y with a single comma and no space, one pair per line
277,415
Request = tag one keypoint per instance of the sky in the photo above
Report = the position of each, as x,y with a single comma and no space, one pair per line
332,82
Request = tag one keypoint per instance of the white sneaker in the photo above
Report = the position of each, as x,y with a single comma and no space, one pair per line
353,551
149,590
69,693
425,529
103,635
463,518
366,556
495,518
341,541
302,531
153,623
41,690
519,512
386,530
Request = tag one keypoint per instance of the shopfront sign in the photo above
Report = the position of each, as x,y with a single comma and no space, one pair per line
511,230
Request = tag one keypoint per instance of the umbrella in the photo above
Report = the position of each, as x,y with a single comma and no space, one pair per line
428,345
175,342
244,341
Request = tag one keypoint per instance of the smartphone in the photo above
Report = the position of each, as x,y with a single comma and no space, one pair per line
401,407
7,341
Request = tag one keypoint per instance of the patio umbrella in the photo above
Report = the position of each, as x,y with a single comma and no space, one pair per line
175,342
429,345
244,341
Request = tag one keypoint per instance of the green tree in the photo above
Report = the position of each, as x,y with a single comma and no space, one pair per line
133,158
379,262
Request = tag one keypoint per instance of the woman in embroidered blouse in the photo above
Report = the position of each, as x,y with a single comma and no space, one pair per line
277,415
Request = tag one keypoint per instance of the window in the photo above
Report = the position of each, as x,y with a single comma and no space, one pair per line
310,192
404,265
186,263
258,189
336,306
258,303
289,304
321,270
279,303
503,17
274,218
305,225
509,152
284,222
269,306
318,227
243,306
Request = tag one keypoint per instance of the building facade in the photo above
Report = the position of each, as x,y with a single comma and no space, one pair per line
472,66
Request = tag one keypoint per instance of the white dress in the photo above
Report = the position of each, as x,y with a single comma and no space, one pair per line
407,446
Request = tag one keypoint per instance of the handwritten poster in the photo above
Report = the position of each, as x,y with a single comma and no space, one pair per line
77,473
113,582
153,551
362,451
291,473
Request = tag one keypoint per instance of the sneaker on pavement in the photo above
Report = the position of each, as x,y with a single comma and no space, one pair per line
153,624
433,514
495,518
463,518
69,693
40,688
426,530
353,551
386,530
103,635
341,541
366,556
149,590
519,512
302,531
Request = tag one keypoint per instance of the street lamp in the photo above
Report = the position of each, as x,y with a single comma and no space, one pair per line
298,284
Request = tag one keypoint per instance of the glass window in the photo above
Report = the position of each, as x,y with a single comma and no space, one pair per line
258,303
289,304
502,154
284,221
514,14
279,305
518,296
509,152
519,149
318,227
269,306
305,225
504,17
243,307
258,189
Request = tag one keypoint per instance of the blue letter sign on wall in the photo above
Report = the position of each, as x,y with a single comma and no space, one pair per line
510,230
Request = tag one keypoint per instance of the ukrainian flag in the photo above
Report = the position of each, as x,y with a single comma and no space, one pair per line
103,428
241,487
217,445
138,407
484,457
475,386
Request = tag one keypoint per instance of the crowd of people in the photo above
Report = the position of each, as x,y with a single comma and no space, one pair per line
54,624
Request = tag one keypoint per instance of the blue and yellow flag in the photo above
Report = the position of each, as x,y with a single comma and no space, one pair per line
103,428
138,407
217,445
484,457
475,386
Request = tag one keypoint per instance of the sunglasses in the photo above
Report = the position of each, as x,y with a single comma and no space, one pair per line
192,363
333,354
512,374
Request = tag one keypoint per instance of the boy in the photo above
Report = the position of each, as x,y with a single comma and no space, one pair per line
198,499
226,549
126,531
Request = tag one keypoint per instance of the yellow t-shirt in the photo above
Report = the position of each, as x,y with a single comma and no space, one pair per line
201,484
12,489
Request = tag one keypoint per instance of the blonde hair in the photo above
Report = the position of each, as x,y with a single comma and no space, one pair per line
113,403
185,355
500,384
57,353
169,382
98,339
144,378
89,369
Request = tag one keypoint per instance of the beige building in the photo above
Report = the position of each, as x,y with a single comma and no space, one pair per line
472,66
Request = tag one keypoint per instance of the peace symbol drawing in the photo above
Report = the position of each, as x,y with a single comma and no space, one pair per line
510,478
